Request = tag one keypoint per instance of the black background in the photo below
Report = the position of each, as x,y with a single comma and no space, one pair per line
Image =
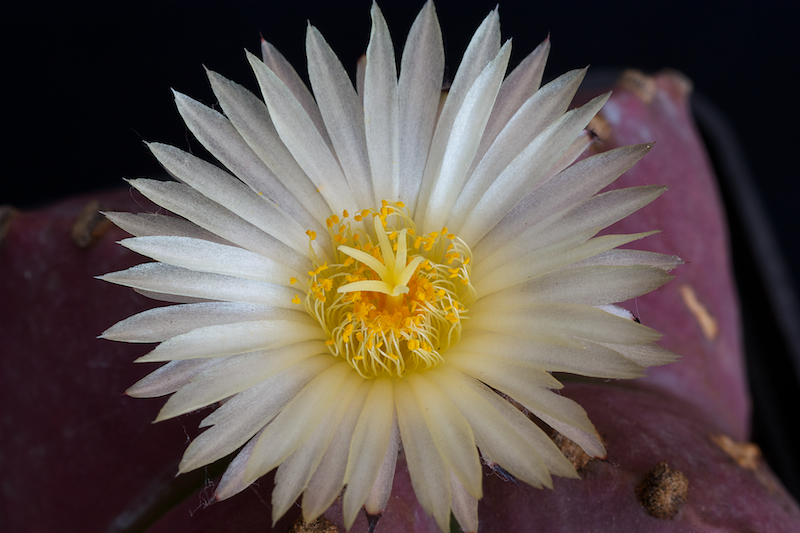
85,82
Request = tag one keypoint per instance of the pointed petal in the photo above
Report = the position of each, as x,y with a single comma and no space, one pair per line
297,421
418,92
285,72
248,412
380,110
161,323
342,112
236,338
482,48
568,188
190,204
295,472
527,170
430,476
222,140
170,377
235,375
450,431
300,135
461,143
327,481
368,447
167,279
382,488
591,285
147,224
465,506
204,256
250,117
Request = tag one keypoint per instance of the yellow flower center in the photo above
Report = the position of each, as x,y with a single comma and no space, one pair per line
394,300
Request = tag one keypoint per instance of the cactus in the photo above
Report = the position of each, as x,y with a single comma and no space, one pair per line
78,456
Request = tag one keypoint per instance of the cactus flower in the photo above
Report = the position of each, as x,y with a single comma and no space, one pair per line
381,269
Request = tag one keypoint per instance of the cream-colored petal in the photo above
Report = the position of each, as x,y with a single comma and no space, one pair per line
250,117
450,431
342,112
589,359
285,72
632,257
161,323
559,412
300,135
190,204
379,494
170,377
327,481
461,144
545,448
430,475
522,83
232,481
568,188
264,199
645,354
544,108
482,48
465,506
492,274
297,421
204,256
248,412
239,337
563,324
590,285
493,434
158,277
380,110
418,92
236,374
527,170
295,472
368,447
148,224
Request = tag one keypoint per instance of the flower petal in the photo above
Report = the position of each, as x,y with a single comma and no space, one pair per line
430,475
235,375
170,377
493,434
248,412
561,323
149,224
449,176
236,338
204,256
327,481
284,435
342,112
380,110
250,117
368,447
168,279
418,92
295,472
161,323
300,135
591,285
190,204
465,506
568,188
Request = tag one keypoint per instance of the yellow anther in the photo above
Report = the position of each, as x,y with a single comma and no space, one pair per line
345,214
292,280
400,204
296,299
311,234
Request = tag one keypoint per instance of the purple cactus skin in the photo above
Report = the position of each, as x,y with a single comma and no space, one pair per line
77,456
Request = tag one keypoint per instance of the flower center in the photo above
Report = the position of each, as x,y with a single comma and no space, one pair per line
394,300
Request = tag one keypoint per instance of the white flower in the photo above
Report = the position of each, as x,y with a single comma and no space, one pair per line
379,265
